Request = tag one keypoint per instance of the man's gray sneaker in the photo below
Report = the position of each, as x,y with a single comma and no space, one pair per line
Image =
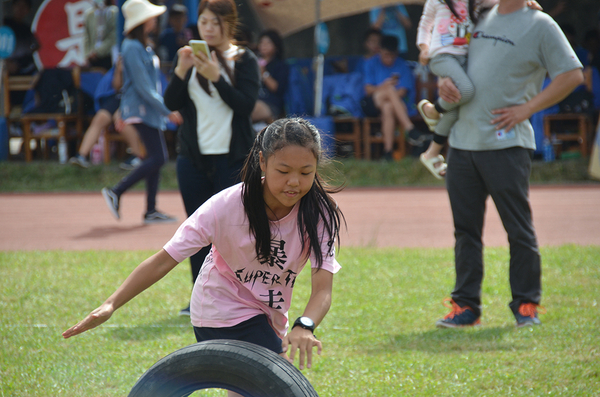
158,217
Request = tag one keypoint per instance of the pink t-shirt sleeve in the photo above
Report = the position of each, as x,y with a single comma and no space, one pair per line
329,262
194,233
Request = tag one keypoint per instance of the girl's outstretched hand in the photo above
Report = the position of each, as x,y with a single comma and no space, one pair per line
92,320
303,340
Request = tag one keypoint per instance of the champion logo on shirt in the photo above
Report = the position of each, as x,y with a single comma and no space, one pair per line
481,35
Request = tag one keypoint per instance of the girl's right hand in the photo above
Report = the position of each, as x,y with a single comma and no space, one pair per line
94,319
303,341
185,60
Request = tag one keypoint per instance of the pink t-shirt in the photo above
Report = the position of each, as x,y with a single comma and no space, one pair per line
442,31
233,286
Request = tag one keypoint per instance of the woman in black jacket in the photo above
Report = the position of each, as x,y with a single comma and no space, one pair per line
215,96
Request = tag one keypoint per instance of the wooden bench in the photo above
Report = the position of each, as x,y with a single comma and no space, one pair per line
14,114
581,129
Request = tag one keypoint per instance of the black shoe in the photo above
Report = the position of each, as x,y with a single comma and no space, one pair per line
185,311
158,217
388,156
112,200
415,137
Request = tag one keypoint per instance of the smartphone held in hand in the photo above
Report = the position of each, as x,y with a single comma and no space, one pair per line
200,46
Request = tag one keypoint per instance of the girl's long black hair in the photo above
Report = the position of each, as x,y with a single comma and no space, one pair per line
450,4
315,206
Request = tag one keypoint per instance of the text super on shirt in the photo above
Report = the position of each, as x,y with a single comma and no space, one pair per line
233,286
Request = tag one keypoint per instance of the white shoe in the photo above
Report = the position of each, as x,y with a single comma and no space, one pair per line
430,164
431,123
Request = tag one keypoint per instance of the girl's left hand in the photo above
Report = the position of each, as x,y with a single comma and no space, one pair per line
303,340
208,67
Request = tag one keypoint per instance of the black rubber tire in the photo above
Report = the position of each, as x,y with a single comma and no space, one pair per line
242,367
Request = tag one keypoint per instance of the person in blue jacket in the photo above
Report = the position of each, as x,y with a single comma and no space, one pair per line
143,107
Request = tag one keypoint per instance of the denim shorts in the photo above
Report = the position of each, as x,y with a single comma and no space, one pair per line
110,103
256,330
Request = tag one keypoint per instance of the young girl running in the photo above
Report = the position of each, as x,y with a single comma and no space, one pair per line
443,36
263,231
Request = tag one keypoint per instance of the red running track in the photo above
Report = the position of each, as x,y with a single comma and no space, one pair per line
395,217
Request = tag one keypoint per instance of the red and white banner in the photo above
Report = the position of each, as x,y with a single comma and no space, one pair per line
58,26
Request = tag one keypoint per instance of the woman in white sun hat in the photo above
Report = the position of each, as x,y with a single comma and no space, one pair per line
142,106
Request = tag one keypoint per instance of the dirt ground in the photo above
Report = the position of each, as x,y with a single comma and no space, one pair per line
395,217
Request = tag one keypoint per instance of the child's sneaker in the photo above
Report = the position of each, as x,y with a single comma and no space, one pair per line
112,201
458,317
80,161
158,217
528,314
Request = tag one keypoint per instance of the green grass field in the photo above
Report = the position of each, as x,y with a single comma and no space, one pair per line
49,176
379,338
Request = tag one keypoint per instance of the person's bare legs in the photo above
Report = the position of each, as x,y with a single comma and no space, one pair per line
388,126
390,94
100,121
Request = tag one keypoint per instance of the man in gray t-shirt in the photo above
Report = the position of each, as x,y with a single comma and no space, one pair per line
511,50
